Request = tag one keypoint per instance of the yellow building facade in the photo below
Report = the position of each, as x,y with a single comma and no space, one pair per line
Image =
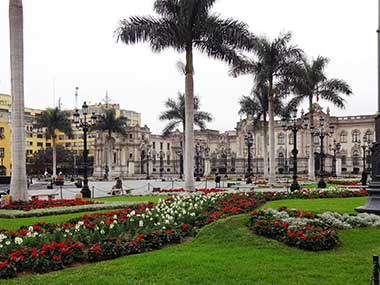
36,139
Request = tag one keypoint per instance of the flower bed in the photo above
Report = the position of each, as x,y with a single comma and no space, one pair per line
347,182
45,247
182,190
295,228
43,204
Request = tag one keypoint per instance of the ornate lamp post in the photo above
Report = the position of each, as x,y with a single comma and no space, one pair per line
364,146
198,151
321,132
161,162
148,156
335,148
85,125
294,126
248,139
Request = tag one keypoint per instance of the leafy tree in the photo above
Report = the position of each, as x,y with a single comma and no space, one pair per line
54,120
256,105
185,25
311,82
175,114
111,124
274,64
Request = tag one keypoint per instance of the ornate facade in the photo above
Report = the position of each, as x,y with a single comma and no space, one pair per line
226,153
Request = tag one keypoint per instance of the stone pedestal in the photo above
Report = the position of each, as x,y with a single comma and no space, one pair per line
207,167
338,167
131,168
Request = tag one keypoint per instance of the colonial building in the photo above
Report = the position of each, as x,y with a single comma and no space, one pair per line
142,153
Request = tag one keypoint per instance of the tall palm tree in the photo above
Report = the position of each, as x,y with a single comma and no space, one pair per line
186,25
256,105
54,120
311,82
109,123
18,180
176,115
274,64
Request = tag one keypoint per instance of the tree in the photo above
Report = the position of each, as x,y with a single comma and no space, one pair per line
185,25
18,181
175,114
274,64
109,123
311,82
54,120
256,105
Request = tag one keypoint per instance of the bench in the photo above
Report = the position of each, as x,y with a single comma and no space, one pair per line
50,196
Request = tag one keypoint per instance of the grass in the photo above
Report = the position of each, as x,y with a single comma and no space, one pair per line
225,252
340,205
14,224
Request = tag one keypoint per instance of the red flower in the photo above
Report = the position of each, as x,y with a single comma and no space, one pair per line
168,232
184,227
56,258
284,225
3,264
140,237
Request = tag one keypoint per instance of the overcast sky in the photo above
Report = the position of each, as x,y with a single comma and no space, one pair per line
70,43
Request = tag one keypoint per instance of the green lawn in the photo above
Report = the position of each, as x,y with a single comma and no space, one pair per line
14,224
346,205
225,252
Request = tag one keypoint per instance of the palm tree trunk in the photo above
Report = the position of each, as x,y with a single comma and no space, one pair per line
265,141
18,181
54,147
272,169
311,151
189,122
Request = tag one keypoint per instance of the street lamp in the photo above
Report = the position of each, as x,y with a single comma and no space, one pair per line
248,139
161,162
364,146
335,148
292,125
148,156
85,125
180,154
198,150
321,132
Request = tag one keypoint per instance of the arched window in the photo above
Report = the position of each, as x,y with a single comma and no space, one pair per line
281,139
355,158
355,136
291,139
368,136
343,137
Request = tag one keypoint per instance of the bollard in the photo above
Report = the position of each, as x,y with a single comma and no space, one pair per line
93,192
375,276
60,188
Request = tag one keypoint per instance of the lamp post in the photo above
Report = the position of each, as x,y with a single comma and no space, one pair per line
180,154
321,132
198,149
85,125
148,156
248,139
335,148
292,125
161,162
364,146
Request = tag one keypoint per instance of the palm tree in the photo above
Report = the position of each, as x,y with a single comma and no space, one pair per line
256,105
18,181
109,123
311,82
274,64
54,120
185,25
175,114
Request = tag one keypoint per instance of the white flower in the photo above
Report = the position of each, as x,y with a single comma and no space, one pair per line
18,240
7,242
141,223
102,231
111,226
